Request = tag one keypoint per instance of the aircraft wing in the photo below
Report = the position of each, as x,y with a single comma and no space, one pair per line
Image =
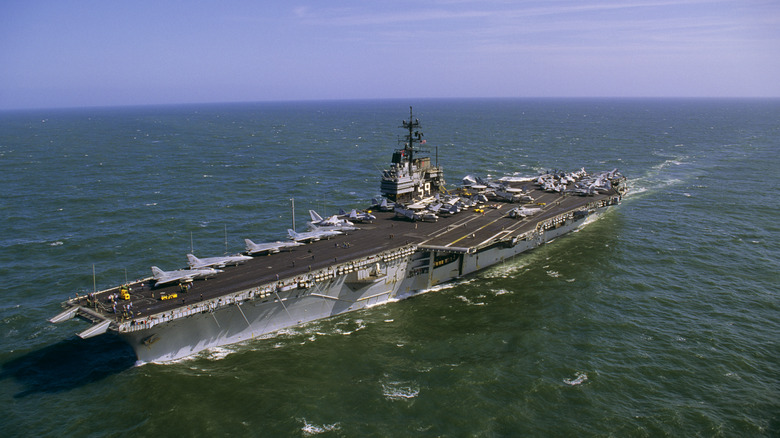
163,277
270,247
311,235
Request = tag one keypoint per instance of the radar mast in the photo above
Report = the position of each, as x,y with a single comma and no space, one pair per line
413,137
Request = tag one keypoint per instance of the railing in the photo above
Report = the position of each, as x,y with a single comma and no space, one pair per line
267,290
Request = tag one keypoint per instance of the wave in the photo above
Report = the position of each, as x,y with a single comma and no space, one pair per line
668,173
469,302
310,429
399,391
579,378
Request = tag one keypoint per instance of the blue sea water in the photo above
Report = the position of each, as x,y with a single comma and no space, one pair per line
660,318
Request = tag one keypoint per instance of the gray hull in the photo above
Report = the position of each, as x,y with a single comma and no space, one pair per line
363,283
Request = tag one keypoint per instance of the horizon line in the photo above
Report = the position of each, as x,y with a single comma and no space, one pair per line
378,99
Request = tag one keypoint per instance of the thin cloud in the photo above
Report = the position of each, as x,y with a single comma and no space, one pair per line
502,26
481,9
335,17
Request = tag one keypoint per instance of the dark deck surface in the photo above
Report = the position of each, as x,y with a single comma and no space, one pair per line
463,230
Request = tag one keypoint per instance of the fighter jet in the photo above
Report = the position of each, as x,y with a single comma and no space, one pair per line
162,277
311,236
386,206
448,210
217,262
363,216
581,189
318,221
510,195
333,227
479,199
469,180
416,215
269,248
332,223
522,212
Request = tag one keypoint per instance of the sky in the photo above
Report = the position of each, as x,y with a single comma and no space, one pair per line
78,53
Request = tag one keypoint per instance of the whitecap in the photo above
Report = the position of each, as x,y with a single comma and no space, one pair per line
399,391
360,326
440,287
309,429
469,302
218,353
211,353
282,332
578,379
635,191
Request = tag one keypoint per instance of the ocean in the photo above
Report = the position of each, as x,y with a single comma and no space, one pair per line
661,318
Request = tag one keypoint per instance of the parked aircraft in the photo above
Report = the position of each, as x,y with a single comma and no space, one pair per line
522,212
363,216
269,248
217,262
479,199
416,215
162,277
448,210
511,196
331,223
318,221
386,206
311,236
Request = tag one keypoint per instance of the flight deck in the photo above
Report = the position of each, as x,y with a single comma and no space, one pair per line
466,231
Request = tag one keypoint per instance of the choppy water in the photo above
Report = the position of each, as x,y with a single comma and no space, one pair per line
661,318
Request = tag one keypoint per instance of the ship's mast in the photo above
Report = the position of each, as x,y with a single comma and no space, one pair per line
413,136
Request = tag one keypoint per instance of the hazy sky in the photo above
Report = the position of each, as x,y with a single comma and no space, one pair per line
67,53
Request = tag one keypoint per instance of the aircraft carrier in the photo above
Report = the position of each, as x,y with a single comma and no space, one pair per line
418,235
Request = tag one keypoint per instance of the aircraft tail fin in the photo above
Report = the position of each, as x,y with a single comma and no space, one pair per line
192,260
292,233
249,244
157,272
314,216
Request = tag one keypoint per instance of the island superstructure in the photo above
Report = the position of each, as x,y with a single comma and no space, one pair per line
418,235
